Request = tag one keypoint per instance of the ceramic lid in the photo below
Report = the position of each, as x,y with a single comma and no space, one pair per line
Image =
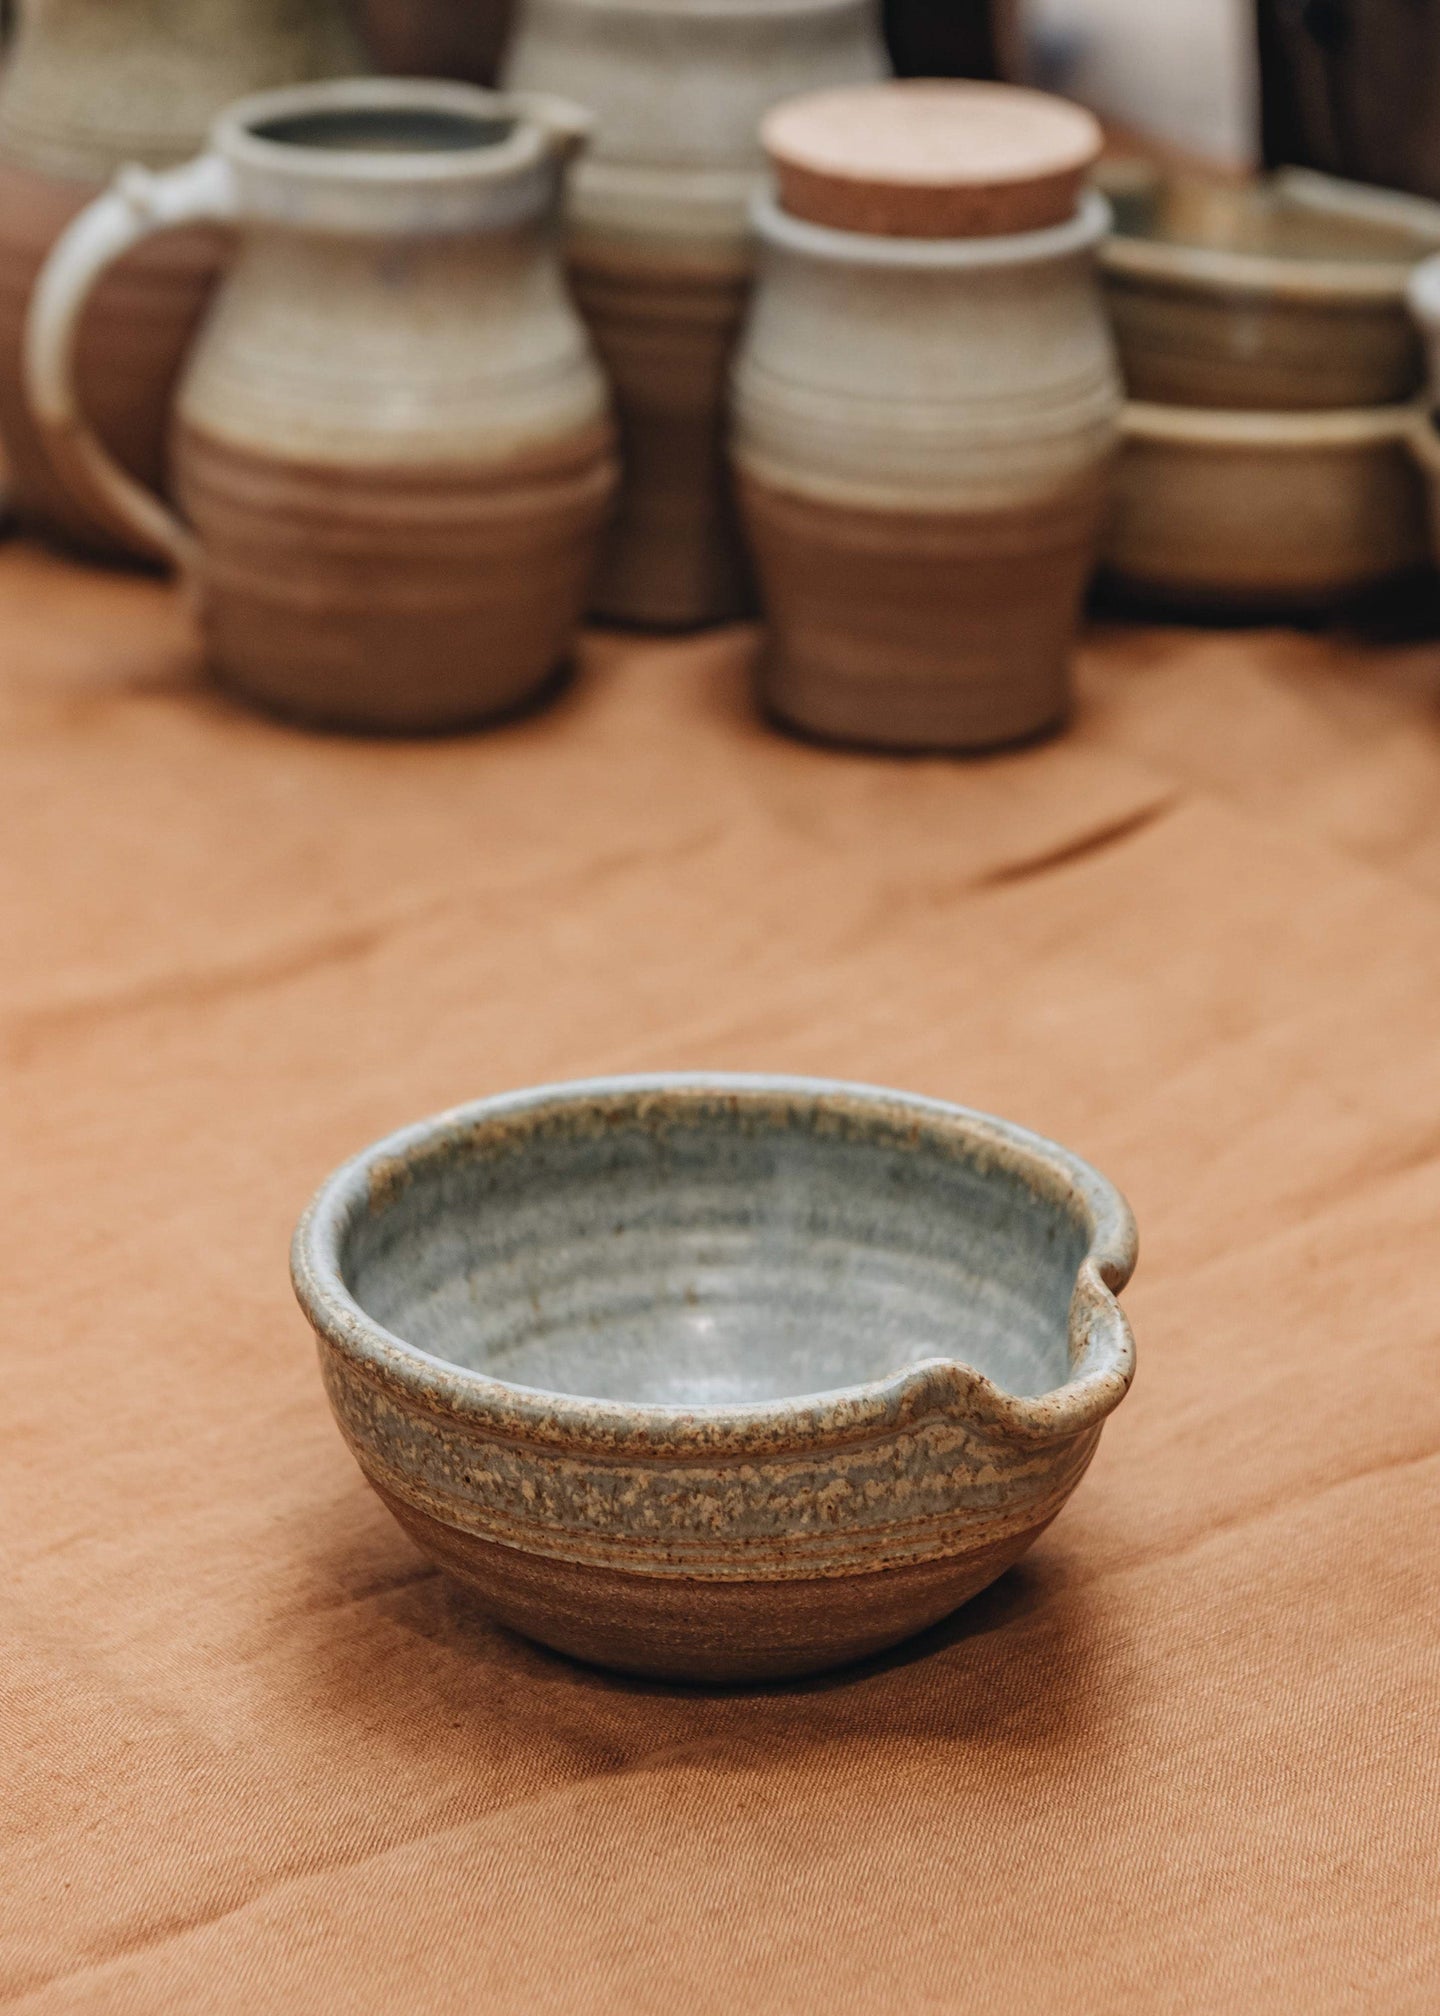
930,159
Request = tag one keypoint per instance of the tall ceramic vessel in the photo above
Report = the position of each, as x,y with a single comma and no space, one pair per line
661,252
87,86
437,38
926,412
393,443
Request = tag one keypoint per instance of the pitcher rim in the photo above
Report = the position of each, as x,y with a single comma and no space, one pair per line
529,144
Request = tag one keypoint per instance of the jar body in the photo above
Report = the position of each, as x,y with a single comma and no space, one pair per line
397,456
924,435
660,250
87,86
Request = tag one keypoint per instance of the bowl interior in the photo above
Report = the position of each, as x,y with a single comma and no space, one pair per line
716,1254
1189,211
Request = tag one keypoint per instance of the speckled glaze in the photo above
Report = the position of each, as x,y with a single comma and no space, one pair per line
719,1378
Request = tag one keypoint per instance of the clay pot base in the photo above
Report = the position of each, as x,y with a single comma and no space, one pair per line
673,558
393,600
133,341
721,1632
920,630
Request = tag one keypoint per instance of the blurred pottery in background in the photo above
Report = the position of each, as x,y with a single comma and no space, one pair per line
87,86
1423,296
660,249
1423,300
393,442
1251,512
925,424
1349,86
1425,445
1288,293
719,1378
461,39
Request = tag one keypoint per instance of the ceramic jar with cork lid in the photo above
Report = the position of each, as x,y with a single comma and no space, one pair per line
926,410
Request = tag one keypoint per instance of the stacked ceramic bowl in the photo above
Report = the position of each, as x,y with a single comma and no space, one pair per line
1273,374
1424,300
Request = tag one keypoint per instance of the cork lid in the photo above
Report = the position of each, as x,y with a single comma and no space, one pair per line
930,159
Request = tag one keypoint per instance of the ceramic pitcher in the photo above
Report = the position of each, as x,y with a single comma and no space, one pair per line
88,85
392,441
660,248
924,434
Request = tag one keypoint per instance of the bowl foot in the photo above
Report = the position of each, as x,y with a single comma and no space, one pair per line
688,1627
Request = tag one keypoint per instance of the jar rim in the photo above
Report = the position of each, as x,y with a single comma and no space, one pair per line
1091,222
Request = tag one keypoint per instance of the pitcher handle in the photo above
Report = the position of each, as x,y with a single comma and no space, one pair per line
136,206
568,127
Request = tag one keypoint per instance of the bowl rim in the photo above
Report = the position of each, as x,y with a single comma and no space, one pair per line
1102,1349
1318,281
531,121
1198,269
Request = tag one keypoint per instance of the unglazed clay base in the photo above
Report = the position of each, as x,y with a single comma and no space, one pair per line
665,332
920,630
393,599
691,1627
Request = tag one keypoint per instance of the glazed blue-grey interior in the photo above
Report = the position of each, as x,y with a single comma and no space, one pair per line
687,1261
385,129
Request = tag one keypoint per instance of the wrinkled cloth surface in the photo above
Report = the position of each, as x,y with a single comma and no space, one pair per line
258,1756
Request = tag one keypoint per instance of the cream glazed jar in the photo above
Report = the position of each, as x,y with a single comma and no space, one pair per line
660,250
926,412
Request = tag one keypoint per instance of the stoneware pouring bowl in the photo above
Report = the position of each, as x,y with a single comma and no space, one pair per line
392,443
719,1378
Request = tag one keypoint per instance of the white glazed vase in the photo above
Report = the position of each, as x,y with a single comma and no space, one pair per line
924,431
393,444
660,248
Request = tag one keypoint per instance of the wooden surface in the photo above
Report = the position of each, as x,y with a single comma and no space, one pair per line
258,1757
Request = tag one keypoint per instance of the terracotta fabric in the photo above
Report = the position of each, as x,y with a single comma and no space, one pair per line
257,1756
